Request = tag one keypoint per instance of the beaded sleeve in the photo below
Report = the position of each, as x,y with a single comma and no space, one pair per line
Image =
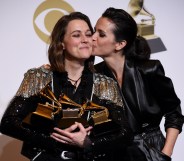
34,80
106,89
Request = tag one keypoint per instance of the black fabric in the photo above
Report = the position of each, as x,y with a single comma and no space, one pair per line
62,85
147,147
39,141
148,94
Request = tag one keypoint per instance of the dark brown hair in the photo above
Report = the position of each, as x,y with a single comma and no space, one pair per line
55,51
126,29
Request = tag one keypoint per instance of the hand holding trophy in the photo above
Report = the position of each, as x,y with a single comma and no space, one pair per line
64,112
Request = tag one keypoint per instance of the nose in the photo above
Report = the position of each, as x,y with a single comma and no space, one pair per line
94,36
84,38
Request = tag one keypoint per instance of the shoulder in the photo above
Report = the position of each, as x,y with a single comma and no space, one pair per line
106,88
147,63
150,66
40,73
37,72
101,78
34,80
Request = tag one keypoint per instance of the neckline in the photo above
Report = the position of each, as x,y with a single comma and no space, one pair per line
75,81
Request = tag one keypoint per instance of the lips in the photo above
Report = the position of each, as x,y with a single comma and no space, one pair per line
85,47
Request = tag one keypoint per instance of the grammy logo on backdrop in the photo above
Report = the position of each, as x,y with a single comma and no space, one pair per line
146,24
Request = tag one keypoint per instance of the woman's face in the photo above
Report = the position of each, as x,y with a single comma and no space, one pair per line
77,41
103,39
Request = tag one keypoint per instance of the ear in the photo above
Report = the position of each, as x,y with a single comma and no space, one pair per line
63,45
120,45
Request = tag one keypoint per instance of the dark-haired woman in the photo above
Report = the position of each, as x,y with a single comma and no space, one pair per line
148,93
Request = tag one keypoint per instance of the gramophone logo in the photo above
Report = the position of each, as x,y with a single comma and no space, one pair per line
47,14
146,24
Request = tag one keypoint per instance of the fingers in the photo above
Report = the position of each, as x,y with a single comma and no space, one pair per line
64,136
89,128
80,126
46,66
85,131
71,128
69,136
60,138
65,133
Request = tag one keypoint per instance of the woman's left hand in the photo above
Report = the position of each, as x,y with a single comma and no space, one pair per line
70,136
171,136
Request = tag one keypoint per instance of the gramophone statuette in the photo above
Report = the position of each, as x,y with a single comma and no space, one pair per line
64,112
146,24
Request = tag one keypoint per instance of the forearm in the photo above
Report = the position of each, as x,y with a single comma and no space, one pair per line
171,137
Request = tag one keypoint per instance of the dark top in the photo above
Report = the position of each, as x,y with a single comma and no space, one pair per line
148,94
101,89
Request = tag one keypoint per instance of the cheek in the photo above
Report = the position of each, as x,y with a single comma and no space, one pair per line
104,49
98,51
71,48
103,45
73,42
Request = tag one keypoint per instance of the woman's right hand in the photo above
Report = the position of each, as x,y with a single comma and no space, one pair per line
46,66
70,136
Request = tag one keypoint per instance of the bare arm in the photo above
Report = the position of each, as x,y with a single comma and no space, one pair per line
171,136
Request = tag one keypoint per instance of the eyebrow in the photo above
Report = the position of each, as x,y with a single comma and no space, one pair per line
100,30
80,31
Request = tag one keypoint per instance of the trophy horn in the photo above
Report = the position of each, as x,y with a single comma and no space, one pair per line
145,12
104,111
88,105
64,99
47,93
97,117
136,7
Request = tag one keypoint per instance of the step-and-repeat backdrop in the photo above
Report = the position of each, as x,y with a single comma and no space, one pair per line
26,24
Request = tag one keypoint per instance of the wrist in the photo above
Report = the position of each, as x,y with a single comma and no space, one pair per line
167,151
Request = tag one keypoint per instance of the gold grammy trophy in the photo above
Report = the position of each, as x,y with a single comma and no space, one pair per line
146,24
64,112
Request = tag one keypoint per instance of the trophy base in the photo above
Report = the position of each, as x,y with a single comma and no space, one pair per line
67,122
145,29
46,124
155,43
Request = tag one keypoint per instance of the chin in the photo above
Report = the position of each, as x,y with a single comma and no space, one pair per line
96,54
86,56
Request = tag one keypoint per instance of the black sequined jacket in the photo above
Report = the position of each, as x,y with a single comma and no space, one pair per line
149,95
96,87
